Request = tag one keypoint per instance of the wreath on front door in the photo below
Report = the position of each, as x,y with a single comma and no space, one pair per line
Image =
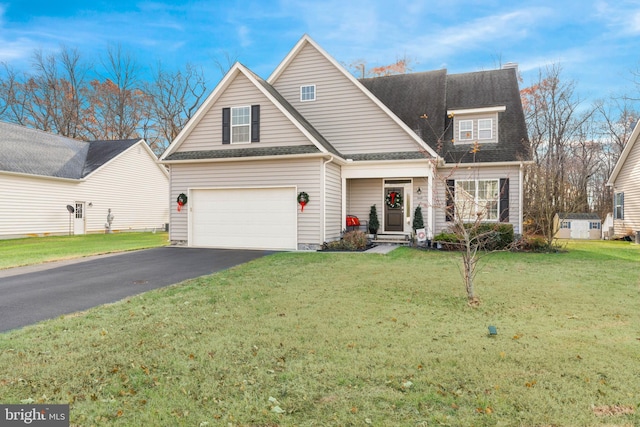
394,199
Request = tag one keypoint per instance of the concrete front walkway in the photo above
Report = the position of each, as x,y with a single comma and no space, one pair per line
381,249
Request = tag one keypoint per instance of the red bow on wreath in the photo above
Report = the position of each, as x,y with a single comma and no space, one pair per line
303,199
182,200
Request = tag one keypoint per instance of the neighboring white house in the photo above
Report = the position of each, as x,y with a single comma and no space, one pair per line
256,148
578,226
625,181
45,176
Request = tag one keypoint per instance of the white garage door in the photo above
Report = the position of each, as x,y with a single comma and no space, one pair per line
252,218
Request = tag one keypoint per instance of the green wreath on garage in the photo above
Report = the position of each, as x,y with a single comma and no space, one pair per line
182,200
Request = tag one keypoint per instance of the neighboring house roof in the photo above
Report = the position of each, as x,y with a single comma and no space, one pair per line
625,153
411,96
34,152
584,216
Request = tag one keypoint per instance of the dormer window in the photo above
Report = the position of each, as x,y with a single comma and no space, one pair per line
476,124
465,130
485,129
308,93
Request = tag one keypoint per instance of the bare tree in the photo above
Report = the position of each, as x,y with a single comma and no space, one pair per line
174,97
556,120
116,104
51,98
224,65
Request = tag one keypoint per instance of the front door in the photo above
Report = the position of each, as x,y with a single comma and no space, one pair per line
394,209
78,221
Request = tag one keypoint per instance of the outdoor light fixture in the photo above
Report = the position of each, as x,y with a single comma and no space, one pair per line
419,190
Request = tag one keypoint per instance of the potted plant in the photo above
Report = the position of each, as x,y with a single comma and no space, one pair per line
373,220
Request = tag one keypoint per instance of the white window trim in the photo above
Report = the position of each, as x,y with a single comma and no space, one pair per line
248,125
310,99
617,203
460,138
490,129
475,201
482,110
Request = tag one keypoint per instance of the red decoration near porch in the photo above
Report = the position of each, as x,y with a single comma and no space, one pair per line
353,221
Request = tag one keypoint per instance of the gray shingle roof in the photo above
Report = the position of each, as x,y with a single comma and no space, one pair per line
580,215
243,152
34,152
433,93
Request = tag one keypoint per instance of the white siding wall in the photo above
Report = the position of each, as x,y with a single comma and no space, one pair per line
132,185
333,217
628,182
361,194
342,113
275,128
496,172
304,173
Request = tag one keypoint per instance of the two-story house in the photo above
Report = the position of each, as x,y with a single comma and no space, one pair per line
256,148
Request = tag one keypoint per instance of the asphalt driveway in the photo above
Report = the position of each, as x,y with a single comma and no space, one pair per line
31,294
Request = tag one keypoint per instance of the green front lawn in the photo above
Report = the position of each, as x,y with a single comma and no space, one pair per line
341,339
35,250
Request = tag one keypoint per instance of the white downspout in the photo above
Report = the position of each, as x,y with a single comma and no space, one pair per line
324,198
430,212
520,199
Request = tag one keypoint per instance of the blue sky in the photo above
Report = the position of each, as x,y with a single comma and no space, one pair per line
595,41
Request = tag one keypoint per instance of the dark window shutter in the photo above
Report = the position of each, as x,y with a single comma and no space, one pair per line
450,211
226,125
504,200
255,123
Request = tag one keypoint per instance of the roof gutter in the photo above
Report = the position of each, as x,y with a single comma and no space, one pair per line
253,158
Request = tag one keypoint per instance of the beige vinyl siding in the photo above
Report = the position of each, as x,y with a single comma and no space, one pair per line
35,206
628,182
475,118
361,194
462,173
132,185
342,113
333,202
303,173
275,127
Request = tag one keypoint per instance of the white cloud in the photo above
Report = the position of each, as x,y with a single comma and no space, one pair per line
244,36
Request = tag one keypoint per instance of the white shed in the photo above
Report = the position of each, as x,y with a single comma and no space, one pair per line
578,226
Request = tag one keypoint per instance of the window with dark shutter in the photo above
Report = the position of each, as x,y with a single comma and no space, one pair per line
450,208
255,123
504,200
226,125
